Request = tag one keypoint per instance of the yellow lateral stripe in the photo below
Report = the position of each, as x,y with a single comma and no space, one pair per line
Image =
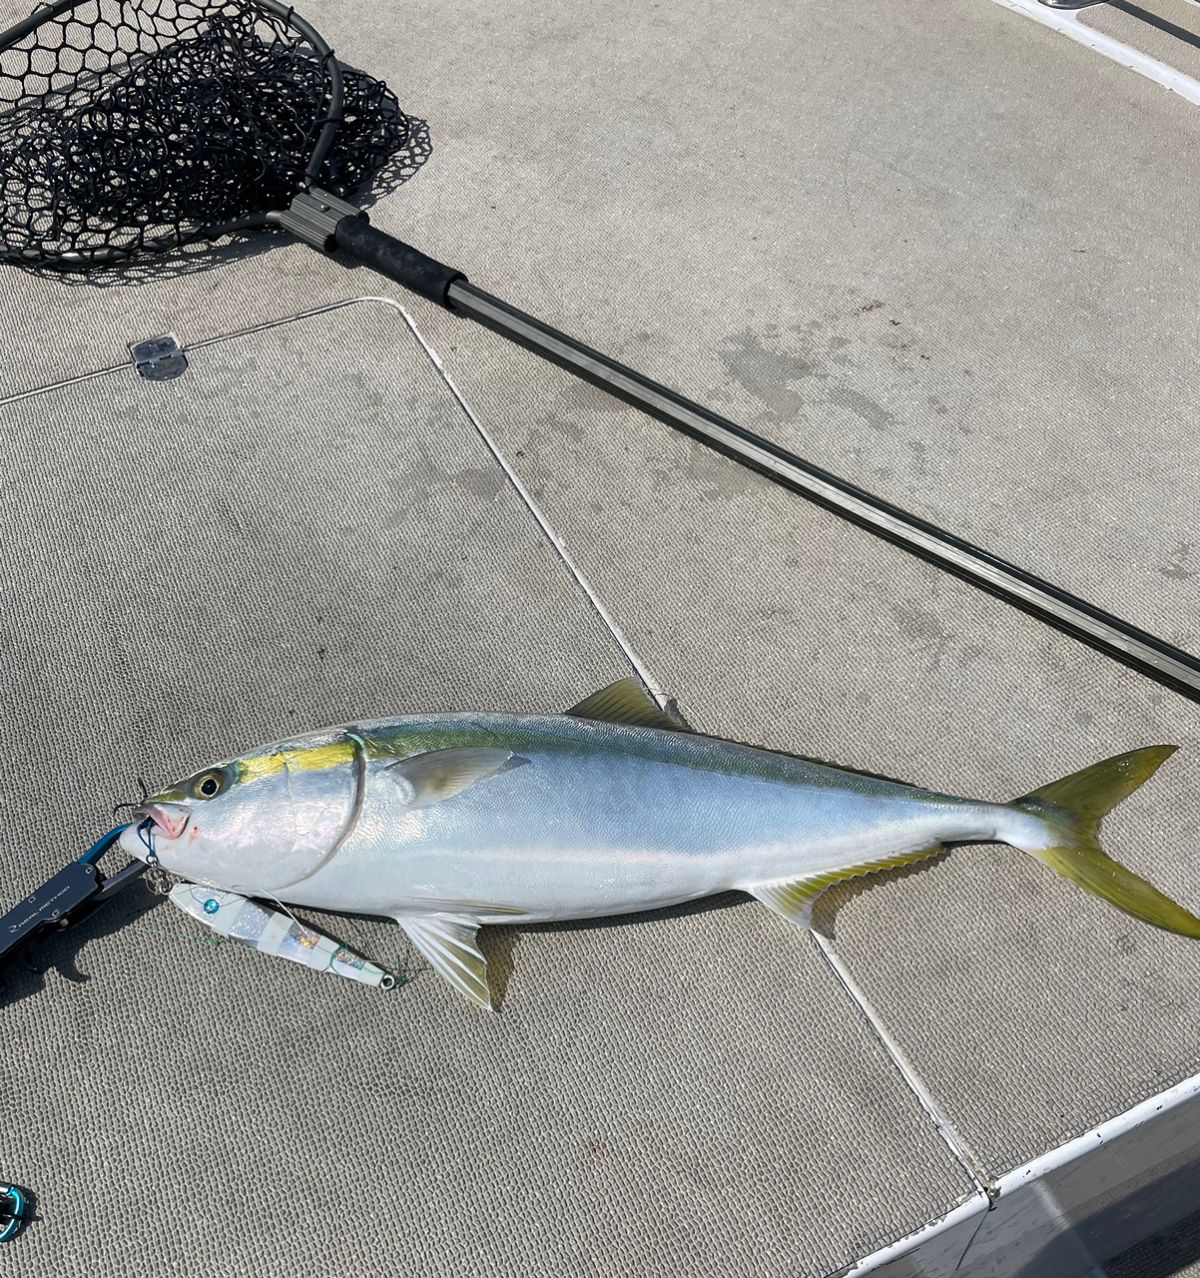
332,754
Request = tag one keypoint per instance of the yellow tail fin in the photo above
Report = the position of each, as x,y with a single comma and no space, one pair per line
1073,808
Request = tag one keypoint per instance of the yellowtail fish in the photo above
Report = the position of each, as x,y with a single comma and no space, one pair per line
450,822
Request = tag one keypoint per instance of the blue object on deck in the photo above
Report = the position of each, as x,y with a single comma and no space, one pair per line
102,844
14,1203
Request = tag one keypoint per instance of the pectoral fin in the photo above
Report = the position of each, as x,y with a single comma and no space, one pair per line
448,942
441,774
794,898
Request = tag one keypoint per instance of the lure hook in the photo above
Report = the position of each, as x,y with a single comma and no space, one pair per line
141,802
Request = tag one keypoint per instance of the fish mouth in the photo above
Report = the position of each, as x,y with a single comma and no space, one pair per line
171,818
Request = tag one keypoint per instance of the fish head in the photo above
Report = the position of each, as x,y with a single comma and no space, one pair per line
253,824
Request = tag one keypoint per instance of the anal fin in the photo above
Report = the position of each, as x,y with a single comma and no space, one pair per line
447,941
794,898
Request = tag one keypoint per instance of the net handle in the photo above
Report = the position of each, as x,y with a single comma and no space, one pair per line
1116,638
329,128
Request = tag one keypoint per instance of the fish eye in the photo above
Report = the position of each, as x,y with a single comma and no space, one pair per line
209,784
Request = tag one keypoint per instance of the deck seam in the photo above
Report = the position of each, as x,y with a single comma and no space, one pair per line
954,1140
610,623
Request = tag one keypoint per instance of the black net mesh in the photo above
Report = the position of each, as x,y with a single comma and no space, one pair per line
141,124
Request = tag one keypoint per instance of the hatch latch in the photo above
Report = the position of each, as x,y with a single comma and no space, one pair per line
159,359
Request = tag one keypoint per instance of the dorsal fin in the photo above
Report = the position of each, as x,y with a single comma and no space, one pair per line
626,701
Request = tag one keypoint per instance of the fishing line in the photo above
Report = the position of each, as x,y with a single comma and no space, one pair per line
134,127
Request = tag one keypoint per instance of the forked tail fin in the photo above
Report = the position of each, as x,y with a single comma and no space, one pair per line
1073,808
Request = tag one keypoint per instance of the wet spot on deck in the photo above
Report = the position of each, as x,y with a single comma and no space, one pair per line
926,629
862,406
1183,564
762,365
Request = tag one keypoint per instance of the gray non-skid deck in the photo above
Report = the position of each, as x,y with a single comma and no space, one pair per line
948,256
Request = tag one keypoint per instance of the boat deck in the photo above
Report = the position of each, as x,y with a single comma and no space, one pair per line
948,255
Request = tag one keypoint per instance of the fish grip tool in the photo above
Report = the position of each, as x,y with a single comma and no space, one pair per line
131,127
65,898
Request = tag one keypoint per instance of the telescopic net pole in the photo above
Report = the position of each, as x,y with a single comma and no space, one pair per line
1119,639
1124,642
